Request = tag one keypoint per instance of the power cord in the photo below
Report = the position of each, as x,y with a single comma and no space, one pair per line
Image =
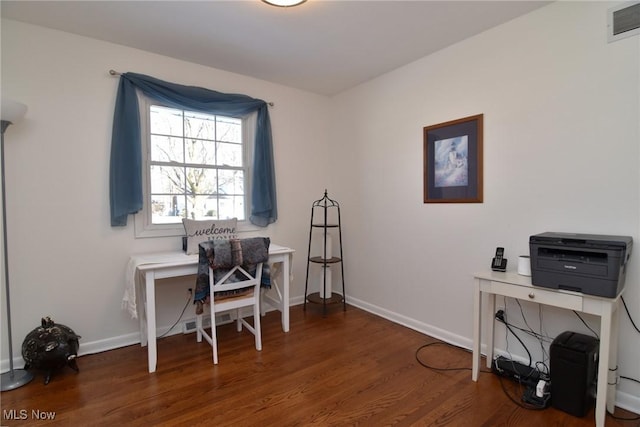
595,334
530,332
534,397
181,314
624,303
435,368
500,317
484,371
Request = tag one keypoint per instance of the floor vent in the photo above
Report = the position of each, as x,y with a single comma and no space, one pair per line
623,21
189,326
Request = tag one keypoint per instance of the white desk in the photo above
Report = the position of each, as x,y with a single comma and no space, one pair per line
516,286
180,264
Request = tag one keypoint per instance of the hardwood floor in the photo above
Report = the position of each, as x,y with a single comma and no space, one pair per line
348,368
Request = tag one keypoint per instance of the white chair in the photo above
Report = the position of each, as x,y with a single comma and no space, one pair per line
248,298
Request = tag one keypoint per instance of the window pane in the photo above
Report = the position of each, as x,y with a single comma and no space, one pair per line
200,152
229,129
232,207
165,121
230,182
201,181
200,126
229,154
196,166
167,209
166,149
202,207
167,179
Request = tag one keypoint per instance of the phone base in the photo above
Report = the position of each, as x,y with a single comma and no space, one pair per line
502,267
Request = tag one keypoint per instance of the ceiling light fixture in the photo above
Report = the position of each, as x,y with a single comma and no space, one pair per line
284,3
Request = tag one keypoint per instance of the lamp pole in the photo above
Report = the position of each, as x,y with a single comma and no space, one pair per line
14,378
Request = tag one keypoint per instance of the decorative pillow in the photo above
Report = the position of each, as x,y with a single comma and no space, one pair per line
211,229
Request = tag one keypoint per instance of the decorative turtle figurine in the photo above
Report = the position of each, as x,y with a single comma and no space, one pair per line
49,347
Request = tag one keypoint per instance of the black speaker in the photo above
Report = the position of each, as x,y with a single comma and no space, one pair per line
573,370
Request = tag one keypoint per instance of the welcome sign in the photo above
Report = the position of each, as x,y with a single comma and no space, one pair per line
199,231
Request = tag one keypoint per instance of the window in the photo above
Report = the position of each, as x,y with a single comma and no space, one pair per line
195,166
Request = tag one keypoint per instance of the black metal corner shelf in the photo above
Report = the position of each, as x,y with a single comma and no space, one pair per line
326,207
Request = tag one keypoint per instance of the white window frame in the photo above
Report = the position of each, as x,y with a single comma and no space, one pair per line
143,225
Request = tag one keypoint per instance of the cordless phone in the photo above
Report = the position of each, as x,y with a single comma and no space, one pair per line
499,263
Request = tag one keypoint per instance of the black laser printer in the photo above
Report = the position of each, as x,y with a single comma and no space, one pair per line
589,263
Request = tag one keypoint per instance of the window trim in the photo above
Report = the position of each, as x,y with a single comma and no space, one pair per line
143,226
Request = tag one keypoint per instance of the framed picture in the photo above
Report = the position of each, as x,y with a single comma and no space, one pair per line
453,161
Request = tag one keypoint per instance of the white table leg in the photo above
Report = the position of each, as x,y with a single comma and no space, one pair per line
142,312
152,352
604,363
477,325
491,312
613,359
286,275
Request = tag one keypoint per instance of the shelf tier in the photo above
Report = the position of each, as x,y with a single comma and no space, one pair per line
317,299
320,260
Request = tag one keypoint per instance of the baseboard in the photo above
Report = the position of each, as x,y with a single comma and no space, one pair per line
628,401
410,323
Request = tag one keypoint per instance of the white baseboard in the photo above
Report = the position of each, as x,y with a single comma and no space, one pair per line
628,401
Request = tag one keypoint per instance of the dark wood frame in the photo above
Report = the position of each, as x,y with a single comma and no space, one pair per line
472,127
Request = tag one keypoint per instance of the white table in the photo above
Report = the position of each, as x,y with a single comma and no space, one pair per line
180,264
516,286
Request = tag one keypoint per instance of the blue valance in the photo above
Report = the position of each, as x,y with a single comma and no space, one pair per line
126,195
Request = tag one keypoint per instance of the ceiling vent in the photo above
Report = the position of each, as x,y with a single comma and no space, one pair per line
623,21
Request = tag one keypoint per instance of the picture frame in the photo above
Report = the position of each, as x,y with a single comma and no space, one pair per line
453,161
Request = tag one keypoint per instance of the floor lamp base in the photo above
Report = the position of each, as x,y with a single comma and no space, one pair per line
15,379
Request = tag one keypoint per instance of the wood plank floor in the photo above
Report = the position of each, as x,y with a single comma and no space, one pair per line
348,368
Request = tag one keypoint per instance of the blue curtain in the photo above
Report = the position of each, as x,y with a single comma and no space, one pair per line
126,152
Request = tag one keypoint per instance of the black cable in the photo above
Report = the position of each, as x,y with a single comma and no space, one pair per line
533,334
585,324
629,314
523,316
179,318
615,417
435,368
501,319
630,379
545,372
521,405
504,389
541,337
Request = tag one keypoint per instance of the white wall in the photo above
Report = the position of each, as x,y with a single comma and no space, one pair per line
561,112
66,261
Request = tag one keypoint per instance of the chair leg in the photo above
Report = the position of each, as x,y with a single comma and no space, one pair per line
214,336
199,327
256,327
238,320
